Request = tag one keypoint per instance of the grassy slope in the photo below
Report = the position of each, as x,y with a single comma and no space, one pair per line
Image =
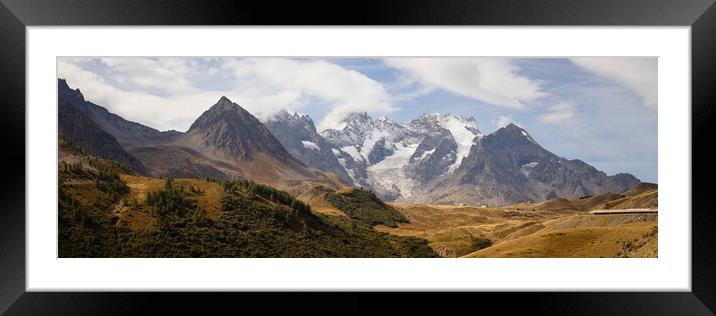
645,247
641,195
249,225
316,197
112,225
646,199
452,231
209,200
578,242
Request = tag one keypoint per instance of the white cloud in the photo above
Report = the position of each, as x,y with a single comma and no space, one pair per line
174,111
562,112
504,120
164,74
161,93
300,81
491,80
637,74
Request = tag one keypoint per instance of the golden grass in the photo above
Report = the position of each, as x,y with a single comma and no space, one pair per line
315,196
578,242
450,231
647,199
210,200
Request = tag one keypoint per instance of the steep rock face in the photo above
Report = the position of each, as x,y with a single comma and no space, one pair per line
433,157
297,133
228,133
508,166
127,133
226,141
75,126
171,161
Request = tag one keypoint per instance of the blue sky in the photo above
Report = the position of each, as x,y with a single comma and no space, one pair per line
600,110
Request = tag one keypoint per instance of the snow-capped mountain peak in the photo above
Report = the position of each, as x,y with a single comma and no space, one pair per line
433,145
441,158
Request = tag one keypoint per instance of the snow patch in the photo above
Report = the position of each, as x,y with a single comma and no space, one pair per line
527,168
425,154
375,136
342,162
350,172
528,136
390,173
462,135
310,145
341,126
351,150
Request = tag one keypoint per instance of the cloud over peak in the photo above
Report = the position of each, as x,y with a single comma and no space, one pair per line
164,92
504,120
303,81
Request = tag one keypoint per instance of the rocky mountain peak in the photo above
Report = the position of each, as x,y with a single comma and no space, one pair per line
358,116
513,134
356,121
224,101
295,119
223,110
65,93
512,127
62,84
297,133
432,122
126,132
228,127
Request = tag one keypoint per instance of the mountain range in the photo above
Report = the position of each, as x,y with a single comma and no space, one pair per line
444,159
225,142
434,159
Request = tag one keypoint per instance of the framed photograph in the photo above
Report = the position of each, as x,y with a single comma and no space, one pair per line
474,147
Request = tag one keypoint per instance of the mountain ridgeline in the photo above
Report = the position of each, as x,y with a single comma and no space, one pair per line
434,159
445,159
225,142
127,133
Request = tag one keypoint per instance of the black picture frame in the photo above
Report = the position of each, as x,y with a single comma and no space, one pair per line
15,15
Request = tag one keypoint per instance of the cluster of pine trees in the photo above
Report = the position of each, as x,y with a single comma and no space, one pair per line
73,168
267,192
80,215
365,206
66,142
111,164
108,181
169,200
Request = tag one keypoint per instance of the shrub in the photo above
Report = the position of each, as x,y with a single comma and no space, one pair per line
169,200
365,206
480,243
